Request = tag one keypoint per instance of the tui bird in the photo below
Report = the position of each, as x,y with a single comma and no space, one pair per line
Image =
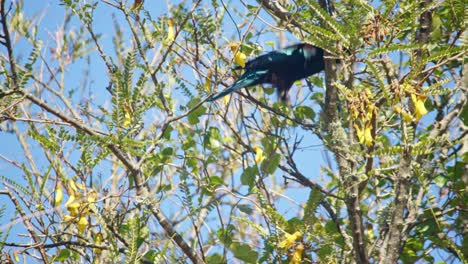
281,68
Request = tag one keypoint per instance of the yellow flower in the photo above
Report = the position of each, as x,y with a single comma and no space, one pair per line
288,242
370,111
354,112
259,157
419,108
406,117
170,30
234,46
397,109
207,85
239,57
98,240
370,233
92,197
137,5
58,194
72,206
226,99
82,224
408,88
127,121
15,255
364,135
68,218
297,255
72,185
368,135
80,186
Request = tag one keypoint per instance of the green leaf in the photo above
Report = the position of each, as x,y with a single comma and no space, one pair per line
440,181
304,112
225,235
167,151
194,116
248,176
216,181
295,224
325,252
245,208
151,255
315,197
330,227
164,188
215,259
270,165
167,133
270,43
212,138
252,8
63,255
244,252
269,91
464,115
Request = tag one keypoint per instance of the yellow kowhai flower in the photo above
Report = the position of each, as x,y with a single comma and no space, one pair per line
98,240
82,224
259,157
297,255
80,186
72,205
137,4
239,57
91,200
170,30
69,218
364,135
406,117
288,242
370,233
397,109
207,85
354,112
370,111
408,88
368,92
58,194
226,99
419,108
15,255
72,185
128,115
92,196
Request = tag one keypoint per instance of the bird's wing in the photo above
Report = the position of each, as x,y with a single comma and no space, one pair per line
249,78
274,59
260,69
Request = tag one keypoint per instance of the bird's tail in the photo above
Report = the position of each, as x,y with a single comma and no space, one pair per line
247,79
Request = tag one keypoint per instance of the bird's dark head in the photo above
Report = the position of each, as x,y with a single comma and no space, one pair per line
312,52
313,59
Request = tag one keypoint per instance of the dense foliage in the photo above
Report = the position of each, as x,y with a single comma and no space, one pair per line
111,153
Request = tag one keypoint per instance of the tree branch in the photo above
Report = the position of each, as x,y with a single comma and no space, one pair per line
28,224
393,242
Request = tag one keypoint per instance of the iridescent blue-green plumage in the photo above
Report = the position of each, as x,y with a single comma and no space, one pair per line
281,68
